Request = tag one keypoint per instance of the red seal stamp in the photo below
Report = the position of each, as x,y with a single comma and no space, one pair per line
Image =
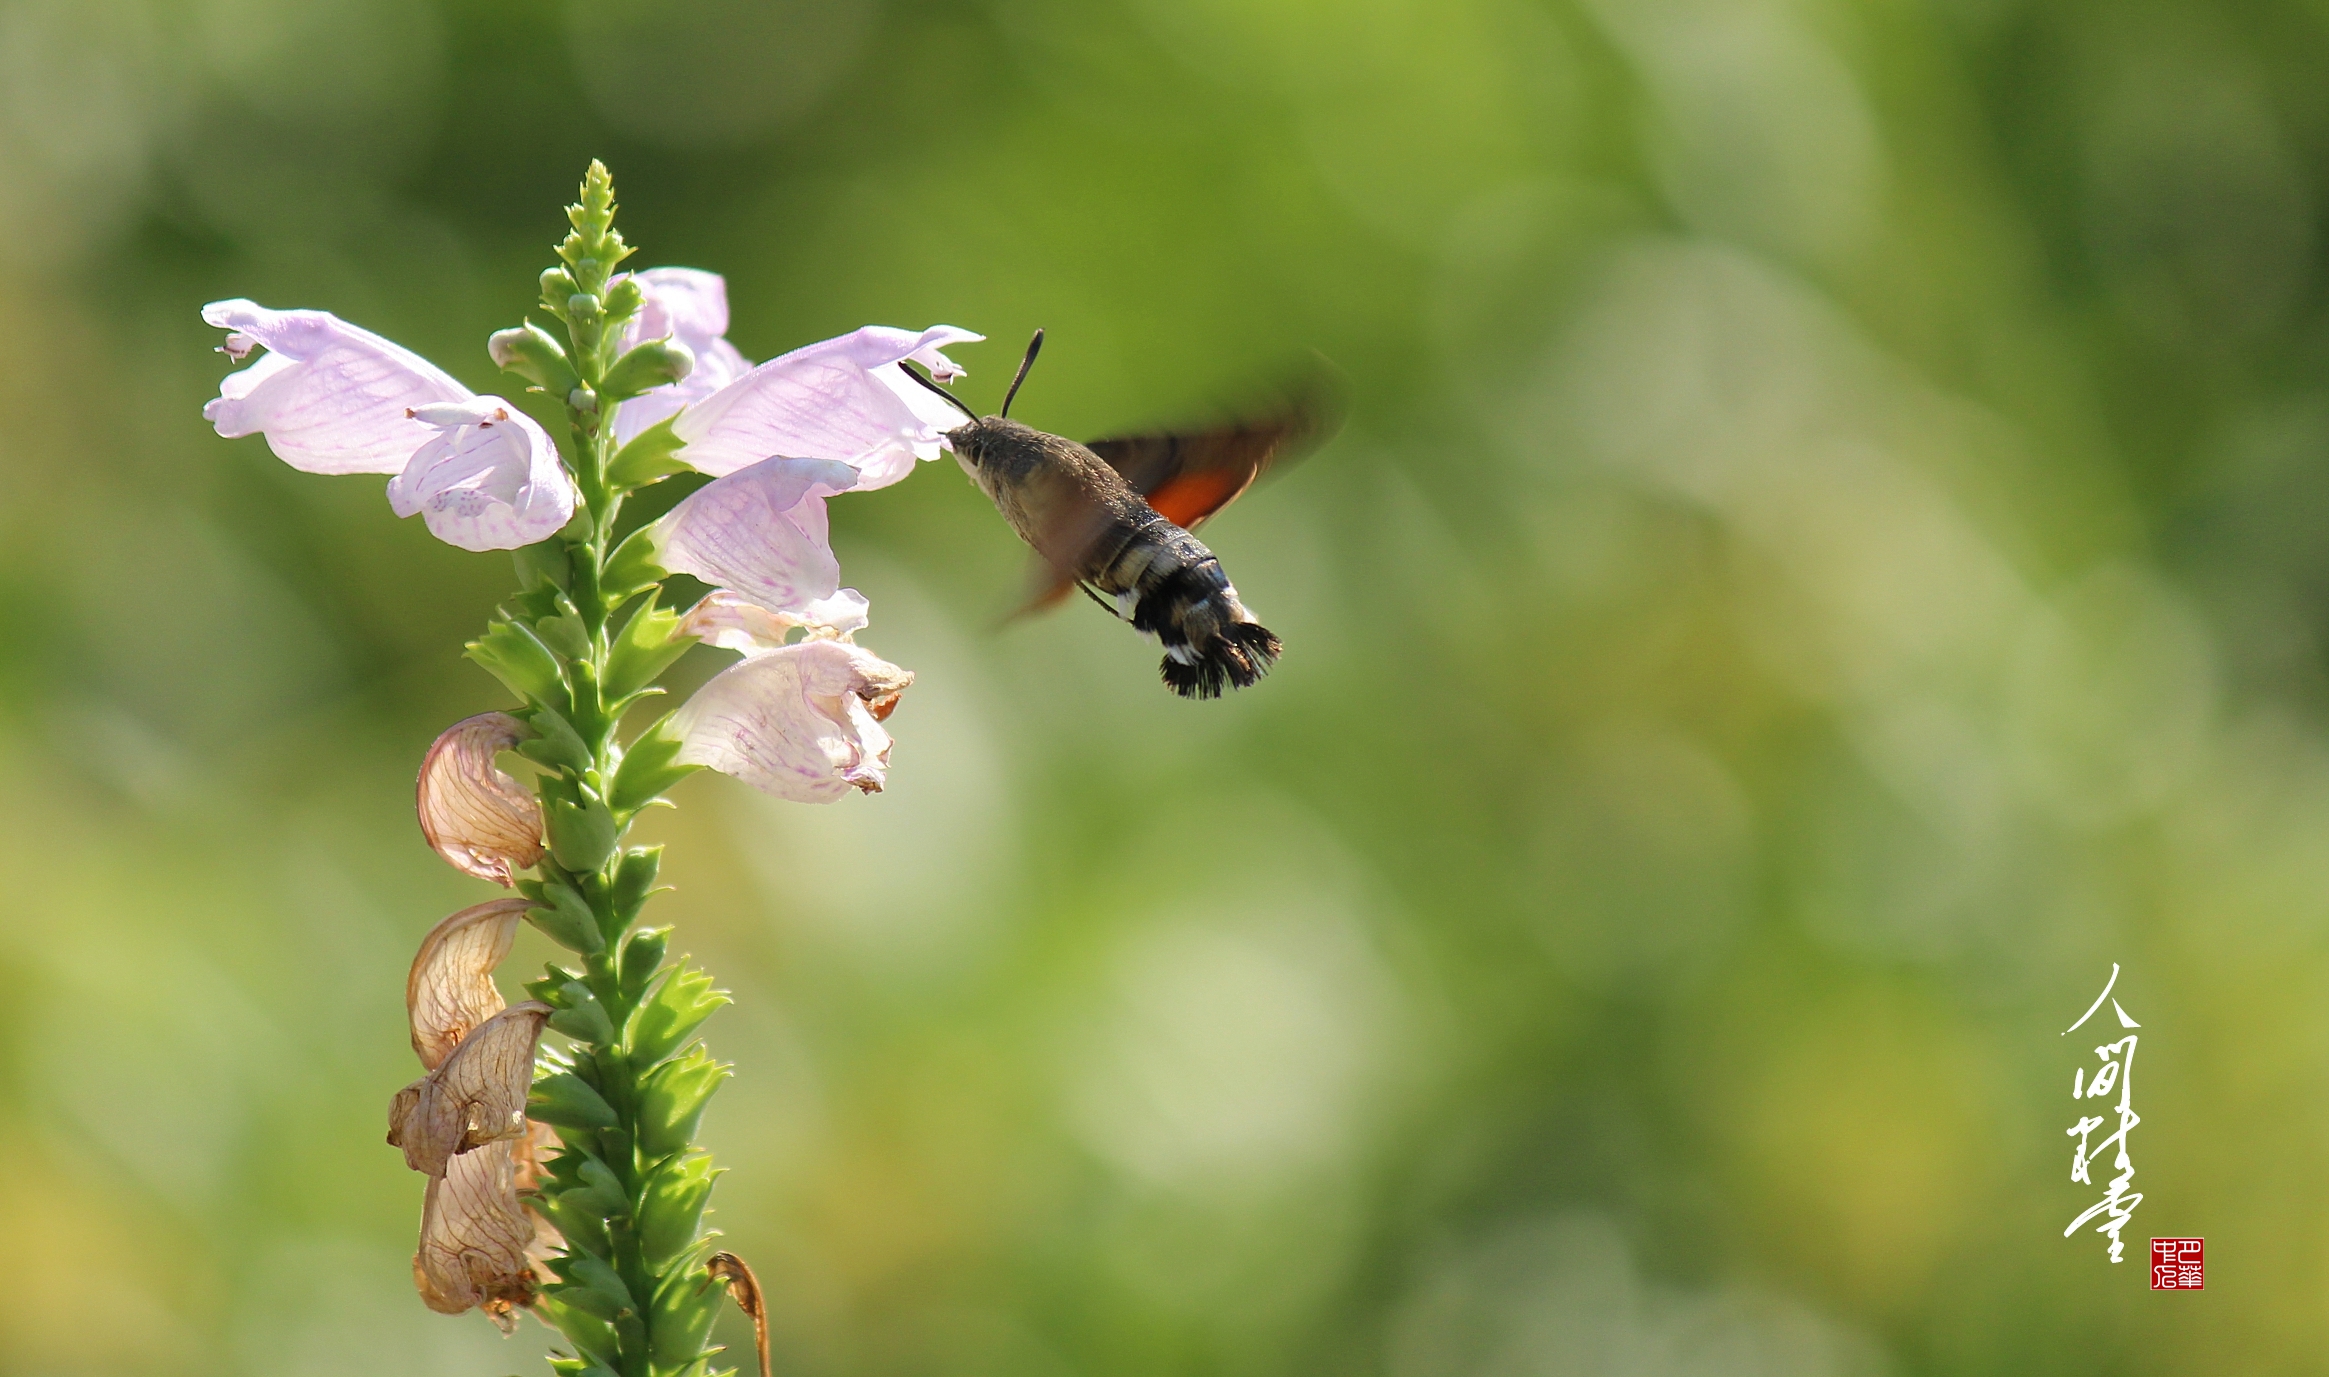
2178,1264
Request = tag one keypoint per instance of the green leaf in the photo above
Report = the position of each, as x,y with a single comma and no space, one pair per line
648,644
587,1299
650,455
642,955
684,1311
671,1207
580,1216
634,881
645,367
591,1336
544,565
514,655
568,920
564,634
649,767
671,1015
557,285
581,1016
565,1101
555,742
586,1269
582,835
533,354
624,297
633,567
582,1208
672,1099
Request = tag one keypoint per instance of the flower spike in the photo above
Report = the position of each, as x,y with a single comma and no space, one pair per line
476,816
603,1232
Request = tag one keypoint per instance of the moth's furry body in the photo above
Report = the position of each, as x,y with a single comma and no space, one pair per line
1093,529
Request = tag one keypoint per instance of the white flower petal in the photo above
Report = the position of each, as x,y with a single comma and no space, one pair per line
690,306
488,478
844,614
760,532
802,723
842,398
732,621
330,398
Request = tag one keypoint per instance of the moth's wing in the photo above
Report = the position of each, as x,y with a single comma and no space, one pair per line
1188,475
1072,527
1047,588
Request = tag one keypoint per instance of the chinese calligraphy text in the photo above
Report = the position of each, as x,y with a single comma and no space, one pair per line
2117,1072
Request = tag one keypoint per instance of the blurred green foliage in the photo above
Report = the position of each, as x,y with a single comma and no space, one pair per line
1827,557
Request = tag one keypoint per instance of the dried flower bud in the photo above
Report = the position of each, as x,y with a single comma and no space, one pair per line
451,989
473,813
476,1096
477,1240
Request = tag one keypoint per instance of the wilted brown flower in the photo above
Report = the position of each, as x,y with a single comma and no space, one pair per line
451,989
744,1289
477,817
476,1239
475,1096
540,1141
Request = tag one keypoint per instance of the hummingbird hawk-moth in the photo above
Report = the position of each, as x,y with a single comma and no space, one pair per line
1114,517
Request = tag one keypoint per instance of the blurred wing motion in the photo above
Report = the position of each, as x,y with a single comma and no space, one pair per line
1187,476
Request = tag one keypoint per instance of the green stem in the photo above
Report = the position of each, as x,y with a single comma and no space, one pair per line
628,1186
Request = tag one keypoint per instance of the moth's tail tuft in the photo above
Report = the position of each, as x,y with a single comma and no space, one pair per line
1235,656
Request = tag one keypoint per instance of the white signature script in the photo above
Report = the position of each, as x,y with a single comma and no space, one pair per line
2116,1073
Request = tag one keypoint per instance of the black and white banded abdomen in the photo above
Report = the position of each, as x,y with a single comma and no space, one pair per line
1168,585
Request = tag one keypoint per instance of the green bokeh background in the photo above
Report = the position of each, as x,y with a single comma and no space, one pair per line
1826,558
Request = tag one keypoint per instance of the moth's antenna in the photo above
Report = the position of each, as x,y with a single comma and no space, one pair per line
916,375
1034,347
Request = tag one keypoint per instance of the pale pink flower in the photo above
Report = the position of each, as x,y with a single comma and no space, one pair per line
761,532
734,622
488,479
846,399
690,306
801,722
333,398
478,818
330,398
